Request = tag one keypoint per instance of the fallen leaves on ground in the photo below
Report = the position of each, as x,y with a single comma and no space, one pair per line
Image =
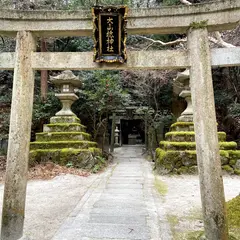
45,171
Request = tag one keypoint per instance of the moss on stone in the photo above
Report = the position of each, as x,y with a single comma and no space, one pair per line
224,153
188,136
183,170
64,124
178,164
234,153
199,235
82,158
193,170
227,145
237,171
64,127
232,162
198,25
64,133
194,152
228,169
182,124
192,145
62,144
177,145
233,215
62,136
64,119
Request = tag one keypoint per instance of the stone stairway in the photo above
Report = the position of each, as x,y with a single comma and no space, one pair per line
120,206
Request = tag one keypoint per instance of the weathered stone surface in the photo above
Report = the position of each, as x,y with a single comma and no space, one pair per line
81,158
237,165
136,60
64,119
61,136
220,15
63,144
208,155
115,211
66,77
19,135
64,127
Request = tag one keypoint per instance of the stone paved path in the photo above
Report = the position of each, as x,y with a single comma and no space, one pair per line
121,204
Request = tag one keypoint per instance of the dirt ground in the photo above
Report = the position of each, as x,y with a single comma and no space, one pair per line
54,191
181,199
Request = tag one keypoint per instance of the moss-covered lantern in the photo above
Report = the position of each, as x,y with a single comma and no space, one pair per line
66,82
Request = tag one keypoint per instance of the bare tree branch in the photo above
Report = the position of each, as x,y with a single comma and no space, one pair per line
218,38
175,42
185,2
221,42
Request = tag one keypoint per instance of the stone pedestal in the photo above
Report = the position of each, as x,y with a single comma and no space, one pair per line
187,115
183,80
117,144
66,82
65,140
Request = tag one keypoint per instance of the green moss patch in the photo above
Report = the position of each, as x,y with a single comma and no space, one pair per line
65,124
161,186
65,119
198,25
82,158
182,162
192,145
64,127
62,144
184,136
62,136
182,124
233,211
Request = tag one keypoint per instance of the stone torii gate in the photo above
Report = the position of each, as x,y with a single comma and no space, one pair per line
195,20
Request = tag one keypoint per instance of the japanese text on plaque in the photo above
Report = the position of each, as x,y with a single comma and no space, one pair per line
109,35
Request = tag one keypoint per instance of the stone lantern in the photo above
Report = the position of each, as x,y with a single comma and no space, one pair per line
66,82
116,137
183,80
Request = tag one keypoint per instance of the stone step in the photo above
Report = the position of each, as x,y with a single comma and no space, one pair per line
61,136
82,158
183,162
62,144
128,219
64,119
189,136
79,230
182,127
181,146
64,127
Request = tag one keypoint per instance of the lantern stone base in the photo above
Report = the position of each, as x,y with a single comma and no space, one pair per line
67,99
177,155
65,141
81,158
64,119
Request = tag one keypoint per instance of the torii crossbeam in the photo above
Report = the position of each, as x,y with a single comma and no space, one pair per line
27,25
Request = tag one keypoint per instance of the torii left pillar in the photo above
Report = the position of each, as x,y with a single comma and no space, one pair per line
19,139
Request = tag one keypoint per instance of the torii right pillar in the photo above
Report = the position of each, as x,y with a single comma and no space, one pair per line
205,126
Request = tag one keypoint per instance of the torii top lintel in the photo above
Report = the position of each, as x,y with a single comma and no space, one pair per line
220,15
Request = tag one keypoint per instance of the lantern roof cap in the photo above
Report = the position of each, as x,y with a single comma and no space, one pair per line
66,77
182,76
